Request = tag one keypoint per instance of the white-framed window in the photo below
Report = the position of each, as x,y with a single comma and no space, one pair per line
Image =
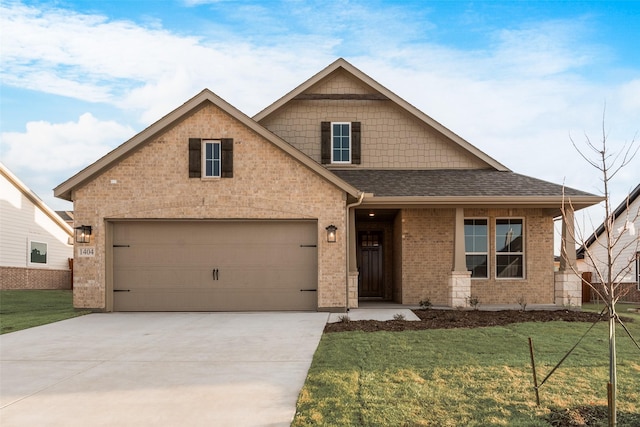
211,158
340,142
510,248
38,253
476,243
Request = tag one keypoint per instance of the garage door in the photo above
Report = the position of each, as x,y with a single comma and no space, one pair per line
215,265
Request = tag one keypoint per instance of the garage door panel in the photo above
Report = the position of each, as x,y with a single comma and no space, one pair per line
226,278
223,301
215,265
169,256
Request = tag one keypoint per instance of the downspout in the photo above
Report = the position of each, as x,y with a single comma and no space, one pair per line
347,234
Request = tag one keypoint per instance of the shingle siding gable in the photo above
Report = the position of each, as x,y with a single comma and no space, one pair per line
390,138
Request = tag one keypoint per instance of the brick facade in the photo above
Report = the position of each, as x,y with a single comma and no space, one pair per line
153,183
34,278
271,180
425,240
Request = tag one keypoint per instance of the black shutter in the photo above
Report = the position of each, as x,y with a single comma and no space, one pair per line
355,143
325,142
195,158
226,157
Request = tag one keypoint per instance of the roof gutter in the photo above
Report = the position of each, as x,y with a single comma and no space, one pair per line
347,234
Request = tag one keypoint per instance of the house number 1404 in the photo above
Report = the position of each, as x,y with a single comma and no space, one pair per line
88,251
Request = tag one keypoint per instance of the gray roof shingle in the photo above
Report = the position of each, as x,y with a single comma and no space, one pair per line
451,183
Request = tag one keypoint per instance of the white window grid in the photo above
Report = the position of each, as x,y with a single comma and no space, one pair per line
522,253
211,162
343,137
485,253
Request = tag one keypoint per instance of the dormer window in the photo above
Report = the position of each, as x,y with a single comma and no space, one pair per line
340,143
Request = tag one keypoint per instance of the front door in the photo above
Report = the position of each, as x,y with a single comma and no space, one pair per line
370,264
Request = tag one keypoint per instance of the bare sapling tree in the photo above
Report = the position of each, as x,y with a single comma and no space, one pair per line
612,255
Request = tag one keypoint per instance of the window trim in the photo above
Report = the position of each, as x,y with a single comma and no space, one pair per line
342,162
29,250
204,159
488,236
522,253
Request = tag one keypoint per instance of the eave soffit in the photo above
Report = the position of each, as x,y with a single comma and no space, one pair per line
511,202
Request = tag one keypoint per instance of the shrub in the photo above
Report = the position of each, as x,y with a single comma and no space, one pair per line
425,304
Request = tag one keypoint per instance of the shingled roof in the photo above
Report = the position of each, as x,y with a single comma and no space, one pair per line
460,184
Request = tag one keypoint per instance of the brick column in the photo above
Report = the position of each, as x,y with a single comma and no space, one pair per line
568,289
352,286
459,278
568,285
353,289
568,244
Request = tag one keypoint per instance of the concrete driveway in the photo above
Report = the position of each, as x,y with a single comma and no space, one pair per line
158,369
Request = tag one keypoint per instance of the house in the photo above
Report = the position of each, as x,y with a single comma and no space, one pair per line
67,216
626,252
35,243
338,192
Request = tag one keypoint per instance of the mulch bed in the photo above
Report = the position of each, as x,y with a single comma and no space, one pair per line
448,319
587,416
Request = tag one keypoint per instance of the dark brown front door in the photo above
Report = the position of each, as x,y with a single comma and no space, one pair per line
370,264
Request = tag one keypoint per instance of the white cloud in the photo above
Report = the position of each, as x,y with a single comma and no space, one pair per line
46,154
145,70
517,97
629,96
50,147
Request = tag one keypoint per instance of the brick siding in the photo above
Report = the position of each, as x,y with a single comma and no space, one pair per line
153,183
426,239
34,278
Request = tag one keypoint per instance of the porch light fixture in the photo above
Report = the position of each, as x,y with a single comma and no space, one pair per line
331,233
83,234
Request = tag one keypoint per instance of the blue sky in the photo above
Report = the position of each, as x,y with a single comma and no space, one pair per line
514,78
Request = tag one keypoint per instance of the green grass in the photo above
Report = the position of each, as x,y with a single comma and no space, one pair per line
28,308
470,377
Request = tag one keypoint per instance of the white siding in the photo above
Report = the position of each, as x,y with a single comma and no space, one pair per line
628,241
22,220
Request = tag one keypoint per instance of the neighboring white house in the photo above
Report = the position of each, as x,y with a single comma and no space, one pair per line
626,252
35,243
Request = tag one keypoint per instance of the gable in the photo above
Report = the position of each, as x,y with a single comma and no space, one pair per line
415,145
155,180
625,228
193,106
339,82
627,210
26,224
342,93
17,196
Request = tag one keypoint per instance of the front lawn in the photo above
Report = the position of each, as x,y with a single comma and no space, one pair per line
470,377
24,309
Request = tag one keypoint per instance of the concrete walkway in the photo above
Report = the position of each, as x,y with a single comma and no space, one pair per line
158,369
371,313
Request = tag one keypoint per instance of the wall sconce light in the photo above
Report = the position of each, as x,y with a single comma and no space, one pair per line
83,234
331,233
